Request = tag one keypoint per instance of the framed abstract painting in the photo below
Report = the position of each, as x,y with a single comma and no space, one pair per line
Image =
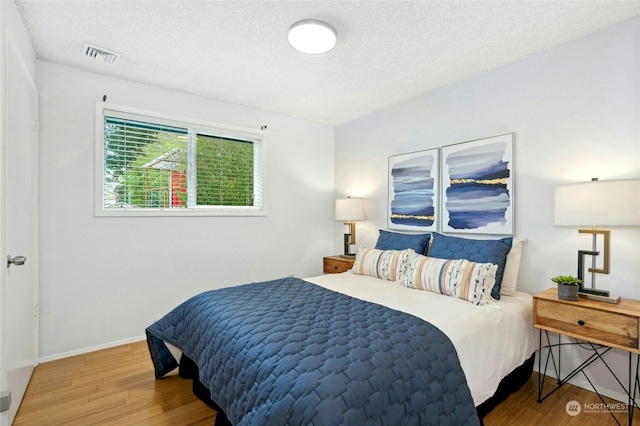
413,191
478,186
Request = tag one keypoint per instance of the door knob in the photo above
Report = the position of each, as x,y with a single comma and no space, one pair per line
18,260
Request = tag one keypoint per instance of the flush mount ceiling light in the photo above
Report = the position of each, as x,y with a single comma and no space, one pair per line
311,36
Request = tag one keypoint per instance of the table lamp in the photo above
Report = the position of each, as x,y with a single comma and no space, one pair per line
349,210
597,203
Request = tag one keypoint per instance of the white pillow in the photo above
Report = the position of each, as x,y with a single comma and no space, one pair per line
459,278
511,268
384,264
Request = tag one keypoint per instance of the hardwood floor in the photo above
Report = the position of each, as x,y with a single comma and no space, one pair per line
521,408
116,386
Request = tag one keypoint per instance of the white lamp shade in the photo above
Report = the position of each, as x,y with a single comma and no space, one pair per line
598,203
349,209
310,36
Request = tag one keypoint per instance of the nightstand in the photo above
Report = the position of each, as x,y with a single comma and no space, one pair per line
597,326
337,264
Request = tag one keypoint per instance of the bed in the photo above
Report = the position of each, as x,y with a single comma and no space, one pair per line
361,347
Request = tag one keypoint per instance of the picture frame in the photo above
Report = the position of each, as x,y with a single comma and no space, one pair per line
413,191
477,194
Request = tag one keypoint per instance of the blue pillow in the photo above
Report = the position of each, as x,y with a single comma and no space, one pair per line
396,241
481,251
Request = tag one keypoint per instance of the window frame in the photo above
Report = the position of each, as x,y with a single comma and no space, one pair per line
201,126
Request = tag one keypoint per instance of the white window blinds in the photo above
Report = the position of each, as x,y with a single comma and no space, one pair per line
158,164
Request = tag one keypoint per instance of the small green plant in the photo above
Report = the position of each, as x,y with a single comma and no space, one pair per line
566,280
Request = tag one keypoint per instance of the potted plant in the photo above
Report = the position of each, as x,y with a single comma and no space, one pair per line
568,286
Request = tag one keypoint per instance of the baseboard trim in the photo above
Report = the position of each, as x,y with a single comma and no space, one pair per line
609,393
82,351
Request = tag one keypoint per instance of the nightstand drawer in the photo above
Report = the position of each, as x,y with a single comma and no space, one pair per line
336,264
587,323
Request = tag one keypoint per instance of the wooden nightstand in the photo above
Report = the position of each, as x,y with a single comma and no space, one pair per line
600,326
337,264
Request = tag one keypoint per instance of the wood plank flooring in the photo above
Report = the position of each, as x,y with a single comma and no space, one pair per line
521,408
116,386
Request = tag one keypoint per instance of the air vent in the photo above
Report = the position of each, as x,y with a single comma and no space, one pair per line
99,53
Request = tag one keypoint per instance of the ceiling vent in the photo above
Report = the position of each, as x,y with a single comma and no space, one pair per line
99,53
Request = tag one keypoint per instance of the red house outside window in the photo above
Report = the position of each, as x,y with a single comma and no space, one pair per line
178,188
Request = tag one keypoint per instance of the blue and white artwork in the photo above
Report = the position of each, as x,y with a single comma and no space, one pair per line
413,191
477,179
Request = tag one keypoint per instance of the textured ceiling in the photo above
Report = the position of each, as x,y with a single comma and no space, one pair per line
237,51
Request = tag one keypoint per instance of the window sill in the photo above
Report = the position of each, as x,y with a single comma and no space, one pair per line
180,212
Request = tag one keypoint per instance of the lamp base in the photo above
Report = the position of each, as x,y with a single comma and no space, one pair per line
610,298
348,256
593,291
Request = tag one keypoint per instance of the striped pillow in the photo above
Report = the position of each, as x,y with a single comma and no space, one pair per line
384,264
453,277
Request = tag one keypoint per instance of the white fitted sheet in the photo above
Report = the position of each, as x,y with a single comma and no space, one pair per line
491,340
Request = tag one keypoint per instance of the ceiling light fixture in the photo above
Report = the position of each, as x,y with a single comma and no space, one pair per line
311,36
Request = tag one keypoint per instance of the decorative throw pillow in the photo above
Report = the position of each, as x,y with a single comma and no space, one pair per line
397,241
511,268
384,264
455,277
481,251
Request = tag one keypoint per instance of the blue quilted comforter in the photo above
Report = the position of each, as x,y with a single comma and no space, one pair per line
291,352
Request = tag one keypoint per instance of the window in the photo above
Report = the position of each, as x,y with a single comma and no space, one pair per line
151,164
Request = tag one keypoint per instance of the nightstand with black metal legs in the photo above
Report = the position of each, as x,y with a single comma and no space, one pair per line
597,326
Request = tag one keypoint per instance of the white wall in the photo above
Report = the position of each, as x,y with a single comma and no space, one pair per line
103,279
575,111
12,24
